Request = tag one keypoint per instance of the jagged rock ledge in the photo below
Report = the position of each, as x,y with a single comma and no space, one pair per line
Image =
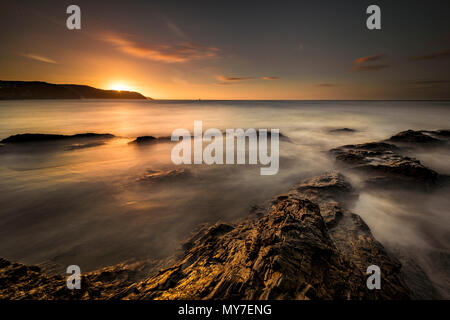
305,245
385,164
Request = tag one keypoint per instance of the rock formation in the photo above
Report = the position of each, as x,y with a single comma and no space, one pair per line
304,245
150,139
342,130
18,281
422,138
384,165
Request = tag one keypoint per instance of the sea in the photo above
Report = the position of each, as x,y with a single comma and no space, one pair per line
88,205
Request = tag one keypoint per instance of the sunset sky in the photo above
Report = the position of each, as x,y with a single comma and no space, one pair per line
233,50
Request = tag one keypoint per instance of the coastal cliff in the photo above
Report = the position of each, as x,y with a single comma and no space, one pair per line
15,90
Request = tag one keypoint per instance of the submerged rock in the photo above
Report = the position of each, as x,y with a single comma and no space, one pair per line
442,133
39,137
411,136
152,139
18,281
144,139
342,130
164,175
421,138
149,139
77,146
281,136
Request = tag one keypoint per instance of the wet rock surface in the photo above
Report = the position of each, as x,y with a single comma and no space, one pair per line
306,246
18,281
384,165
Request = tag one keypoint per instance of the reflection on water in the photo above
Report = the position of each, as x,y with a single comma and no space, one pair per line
85,204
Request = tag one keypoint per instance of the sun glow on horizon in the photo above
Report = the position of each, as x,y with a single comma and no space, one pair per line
120,87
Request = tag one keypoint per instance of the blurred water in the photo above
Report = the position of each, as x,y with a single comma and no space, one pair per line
85,206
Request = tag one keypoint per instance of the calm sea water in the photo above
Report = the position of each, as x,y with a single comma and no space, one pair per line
85,206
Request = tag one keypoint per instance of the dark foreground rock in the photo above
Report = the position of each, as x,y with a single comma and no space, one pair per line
18,281
305,245
40,137
384,165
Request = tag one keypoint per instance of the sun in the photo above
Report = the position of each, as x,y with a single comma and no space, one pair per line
120,87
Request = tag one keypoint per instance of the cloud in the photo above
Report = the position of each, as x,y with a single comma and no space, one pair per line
180,53
371,58
325,85
426,82
174,28
441,40
224,83
39,58
433,56
224,78
430,84
360,64
372,67
270,78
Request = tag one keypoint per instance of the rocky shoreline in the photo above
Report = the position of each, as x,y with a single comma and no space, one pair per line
303,244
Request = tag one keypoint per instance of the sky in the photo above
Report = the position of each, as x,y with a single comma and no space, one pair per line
257,50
